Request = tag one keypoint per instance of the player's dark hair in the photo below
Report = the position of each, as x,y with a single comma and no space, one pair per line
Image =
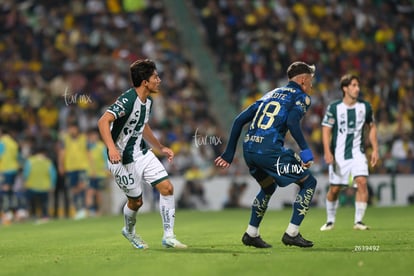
141,70
298,68
346,80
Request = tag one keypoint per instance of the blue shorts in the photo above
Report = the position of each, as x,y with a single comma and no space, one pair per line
8,178
75,177
284,167
97,183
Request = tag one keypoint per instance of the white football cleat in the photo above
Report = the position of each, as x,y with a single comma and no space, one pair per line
360,226
172,242
327,226
134,239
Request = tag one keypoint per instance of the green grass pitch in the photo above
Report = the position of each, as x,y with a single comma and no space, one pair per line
95,246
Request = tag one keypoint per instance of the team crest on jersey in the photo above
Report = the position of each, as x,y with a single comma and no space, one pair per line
307,100
302,105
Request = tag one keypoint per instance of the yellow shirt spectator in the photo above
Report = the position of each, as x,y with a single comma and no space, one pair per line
48,114
9,154
74,155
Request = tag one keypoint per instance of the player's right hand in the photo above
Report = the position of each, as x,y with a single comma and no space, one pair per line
114,156
220,162
329,158
306,156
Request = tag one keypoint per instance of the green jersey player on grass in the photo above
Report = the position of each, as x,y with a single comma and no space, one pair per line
344,149
124,129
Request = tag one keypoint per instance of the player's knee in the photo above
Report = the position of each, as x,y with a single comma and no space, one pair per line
165,188
361,183
334,189
310,182
135,203
269,190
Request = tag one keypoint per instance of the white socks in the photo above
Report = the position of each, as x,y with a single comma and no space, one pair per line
130,219
252,231
360,208
331,207
167,210
292,230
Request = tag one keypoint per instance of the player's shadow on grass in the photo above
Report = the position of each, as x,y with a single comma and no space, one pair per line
352,250
213,250
327,249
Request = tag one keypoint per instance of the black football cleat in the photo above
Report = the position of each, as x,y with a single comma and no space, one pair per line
254,241
298,240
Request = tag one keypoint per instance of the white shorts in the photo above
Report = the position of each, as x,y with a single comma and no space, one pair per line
146,168
343,172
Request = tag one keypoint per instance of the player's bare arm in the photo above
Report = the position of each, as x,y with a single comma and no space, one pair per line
326,141
149,136
104,124
374,143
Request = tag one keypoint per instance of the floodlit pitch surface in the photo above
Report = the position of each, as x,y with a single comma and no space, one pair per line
95,246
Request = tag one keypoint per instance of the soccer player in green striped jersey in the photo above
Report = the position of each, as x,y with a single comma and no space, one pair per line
343,128
125,131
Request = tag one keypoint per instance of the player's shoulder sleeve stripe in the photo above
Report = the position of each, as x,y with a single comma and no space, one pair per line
329,118
124,104
333,106
367,105
128,98
369,114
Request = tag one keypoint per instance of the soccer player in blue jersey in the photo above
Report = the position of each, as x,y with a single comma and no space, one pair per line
125,131
269,162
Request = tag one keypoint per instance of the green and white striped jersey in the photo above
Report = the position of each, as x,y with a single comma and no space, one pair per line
347,123
130,117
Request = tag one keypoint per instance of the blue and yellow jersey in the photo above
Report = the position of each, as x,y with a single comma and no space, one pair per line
98,160
39,173
9,154
277,112
269,125
76,152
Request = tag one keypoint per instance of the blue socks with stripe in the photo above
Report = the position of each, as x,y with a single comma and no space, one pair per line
303,200
259,205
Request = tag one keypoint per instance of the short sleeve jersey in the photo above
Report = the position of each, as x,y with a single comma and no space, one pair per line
131,115
347,123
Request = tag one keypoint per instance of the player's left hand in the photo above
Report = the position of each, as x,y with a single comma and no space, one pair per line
220,162
374,158
307,165
168,152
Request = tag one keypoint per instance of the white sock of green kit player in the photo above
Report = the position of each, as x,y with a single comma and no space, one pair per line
130,218
167,210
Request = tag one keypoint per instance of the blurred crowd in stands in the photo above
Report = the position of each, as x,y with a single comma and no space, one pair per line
255,41
66,61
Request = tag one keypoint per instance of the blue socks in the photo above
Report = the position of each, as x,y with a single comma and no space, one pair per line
260,204
303,200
